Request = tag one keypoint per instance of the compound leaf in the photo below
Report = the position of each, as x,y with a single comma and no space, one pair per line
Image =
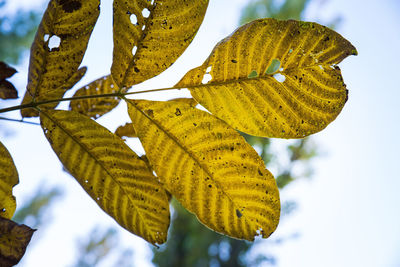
14,239
274,78
208,167
149,36
96,107
110,172
58,49
8,179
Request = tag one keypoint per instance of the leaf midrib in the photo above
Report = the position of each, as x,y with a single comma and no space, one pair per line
244,79
191,155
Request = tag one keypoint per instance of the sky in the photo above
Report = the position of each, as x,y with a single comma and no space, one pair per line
348,212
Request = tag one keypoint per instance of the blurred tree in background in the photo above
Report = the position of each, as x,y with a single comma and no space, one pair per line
289,9
17,33
102,246
192,244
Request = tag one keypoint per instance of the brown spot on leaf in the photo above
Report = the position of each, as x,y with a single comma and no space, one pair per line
149,112
178,112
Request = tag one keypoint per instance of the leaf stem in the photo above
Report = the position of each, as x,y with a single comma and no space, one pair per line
120,95
15,120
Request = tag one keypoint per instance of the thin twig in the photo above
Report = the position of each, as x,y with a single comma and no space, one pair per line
35,104
15,120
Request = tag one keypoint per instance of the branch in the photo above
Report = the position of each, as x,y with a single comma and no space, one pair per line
120,95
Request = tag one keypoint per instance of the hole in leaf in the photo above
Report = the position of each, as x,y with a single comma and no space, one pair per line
253,74
274,66
134,50
208,70
54,42
133,19
152,2
279,77
3,210
46,37
146,13
206,78
144,27
238,213
320,66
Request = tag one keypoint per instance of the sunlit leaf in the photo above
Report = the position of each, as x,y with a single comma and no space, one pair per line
298,91
8,179
7,90
208,167
14,239
149,36
96,107
58,48
128,130
190,101
6,71
110,172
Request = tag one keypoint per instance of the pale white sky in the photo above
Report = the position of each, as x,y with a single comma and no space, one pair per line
348,213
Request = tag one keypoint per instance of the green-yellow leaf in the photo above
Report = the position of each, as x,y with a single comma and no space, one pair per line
110,172
149,36
58,48
96,107
8,179
208,167
304,95
14,239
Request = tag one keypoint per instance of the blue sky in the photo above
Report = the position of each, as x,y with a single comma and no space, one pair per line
348,213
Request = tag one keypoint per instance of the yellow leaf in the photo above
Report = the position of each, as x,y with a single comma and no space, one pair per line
274,78
110,172
14,239
208,167
58,48
8,179
96,107
126,130
149,36
190,101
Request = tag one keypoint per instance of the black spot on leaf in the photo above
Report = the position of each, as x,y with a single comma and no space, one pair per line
70,6
238,213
